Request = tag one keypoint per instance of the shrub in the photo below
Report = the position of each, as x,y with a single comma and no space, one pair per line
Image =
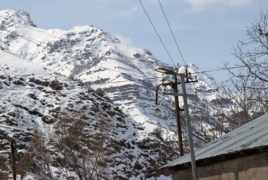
158,132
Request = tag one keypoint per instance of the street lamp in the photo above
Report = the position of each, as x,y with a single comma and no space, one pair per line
165,71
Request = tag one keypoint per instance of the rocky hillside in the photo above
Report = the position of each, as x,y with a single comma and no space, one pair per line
34,98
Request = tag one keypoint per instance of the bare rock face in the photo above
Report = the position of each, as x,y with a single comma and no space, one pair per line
55,85
100,92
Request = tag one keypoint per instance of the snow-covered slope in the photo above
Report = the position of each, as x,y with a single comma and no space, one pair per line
32,97
99,60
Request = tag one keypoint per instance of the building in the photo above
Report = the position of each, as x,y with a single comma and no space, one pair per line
241,154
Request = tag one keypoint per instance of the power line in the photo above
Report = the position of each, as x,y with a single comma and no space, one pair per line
157,32
222,69
171,31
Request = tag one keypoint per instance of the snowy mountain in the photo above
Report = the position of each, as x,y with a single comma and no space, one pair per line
96,60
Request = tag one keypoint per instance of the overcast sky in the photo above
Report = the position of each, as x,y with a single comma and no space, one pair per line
206,30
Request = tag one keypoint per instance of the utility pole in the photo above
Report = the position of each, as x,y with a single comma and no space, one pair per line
189,128
13,160
174,86
176,94
178,117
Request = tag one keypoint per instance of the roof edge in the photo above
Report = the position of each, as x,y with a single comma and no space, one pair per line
219,158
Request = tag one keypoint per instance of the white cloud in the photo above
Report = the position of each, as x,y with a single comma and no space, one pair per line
124,39
199,5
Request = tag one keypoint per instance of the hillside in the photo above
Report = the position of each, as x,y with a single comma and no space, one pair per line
33,97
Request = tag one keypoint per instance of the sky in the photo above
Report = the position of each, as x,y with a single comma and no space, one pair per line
206,30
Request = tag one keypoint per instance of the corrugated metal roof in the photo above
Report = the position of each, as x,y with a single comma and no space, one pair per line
251,135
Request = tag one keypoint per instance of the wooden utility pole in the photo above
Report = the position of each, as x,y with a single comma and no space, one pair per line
177,109
178,117
13,160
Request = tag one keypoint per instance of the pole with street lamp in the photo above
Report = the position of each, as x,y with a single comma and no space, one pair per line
174,86
176,94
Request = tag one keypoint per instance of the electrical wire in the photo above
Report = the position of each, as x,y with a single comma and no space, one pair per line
222,69
157,32
171,31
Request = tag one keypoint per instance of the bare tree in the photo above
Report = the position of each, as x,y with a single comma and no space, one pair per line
3,168
73,151
38,159
252,53
247,87
248,102
83,151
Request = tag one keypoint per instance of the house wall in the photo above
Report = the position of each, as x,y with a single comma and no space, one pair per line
253,167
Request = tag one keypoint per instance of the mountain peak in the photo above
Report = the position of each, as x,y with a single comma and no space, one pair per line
11,17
